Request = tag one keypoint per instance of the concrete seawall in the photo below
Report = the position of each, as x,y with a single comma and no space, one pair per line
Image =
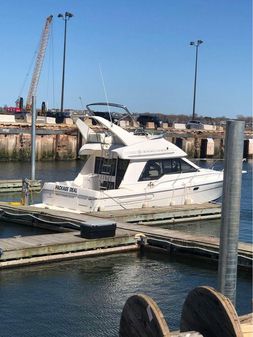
58,142
62,142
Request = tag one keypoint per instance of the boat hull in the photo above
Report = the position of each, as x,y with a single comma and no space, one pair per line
85,200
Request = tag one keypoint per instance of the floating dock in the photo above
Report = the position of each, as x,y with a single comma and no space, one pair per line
15,185
165,215
20,251
181,243
67,243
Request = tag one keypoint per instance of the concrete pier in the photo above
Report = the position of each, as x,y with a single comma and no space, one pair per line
53,142
62,141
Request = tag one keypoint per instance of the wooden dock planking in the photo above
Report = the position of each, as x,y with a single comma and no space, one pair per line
21,242
156,236
160,215
66,256
59,246
194,242
147,216
15,185
159,232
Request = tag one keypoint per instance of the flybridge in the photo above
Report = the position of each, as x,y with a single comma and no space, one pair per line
147,148
125,144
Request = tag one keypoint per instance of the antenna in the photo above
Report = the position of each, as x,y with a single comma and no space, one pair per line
106,97
81,101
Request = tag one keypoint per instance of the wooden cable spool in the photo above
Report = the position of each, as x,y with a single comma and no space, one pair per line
209,312
141,317
247,325
206,313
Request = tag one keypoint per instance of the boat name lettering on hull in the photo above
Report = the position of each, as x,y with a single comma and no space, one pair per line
66,189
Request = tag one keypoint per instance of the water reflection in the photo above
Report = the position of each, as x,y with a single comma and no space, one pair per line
85,297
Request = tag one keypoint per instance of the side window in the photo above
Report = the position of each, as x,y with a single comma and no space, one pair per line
121,170
171,166
155,169
185,167
152,170
175,165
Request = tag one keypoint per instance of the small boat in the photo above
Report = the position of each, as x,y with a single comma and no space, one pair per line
123,170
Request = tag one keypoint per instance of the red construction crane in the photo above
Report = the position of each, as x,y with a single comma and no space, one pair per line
39,62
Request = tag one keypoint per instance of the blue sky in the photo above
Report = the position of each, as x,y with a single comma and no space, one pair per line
142,48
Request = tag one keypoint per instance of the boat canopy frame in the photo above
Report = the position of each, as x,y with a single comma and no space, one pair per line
110,114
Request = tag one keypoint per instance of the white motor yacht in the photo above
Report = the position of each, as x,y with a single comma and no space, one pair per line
125,171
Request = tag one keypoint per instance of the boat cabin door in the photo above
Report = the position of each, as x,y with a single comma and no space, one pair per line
106,169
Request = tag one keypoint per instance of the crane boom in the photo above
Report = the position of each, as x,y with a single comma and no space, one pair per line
39,62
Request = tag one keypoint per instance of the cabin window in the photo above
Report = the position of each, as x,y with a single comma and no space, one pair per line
154,169
171,166
177,165
186,167
105,166
121,170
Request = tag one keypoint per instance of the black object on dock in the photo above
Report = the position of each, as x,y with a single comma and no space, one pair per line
98,229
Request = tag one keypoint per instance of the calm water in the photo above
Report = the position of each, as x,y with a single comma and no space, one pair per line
85,297
212,227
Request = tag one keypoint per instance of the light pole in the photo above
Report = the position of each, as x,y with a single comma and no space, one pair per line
65,17
195,44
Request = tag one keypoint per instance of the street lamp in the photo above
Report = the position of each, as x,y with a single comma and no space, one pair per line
195,44
65,17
